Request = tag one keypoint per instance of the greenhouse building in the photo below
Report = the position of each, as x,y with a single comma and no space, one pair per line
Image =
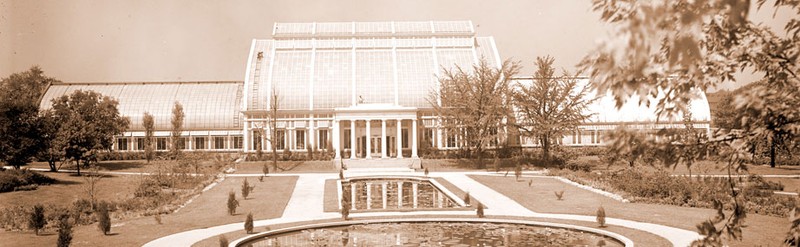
361,89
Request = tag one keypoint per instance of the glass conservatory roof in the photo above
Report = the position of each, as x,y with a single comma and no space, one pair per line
322,66
206,105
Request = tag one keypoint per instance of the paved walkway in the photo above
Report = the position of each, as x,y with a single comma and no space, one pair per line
306,204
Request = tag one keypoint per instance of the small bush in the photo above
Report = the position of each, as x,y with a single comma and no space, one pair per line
248,223
426,171
157,217
232,203
103,218
601,216
466,198
517,171
223,241
265,169
64,231
559,194
479,211
36,221
148,187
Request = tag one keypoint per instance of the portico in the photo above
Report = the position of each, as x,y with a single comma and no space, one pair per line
377,132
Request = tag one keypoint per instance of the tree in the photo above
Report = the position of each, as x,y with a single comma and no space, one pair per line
52,147
246,188
89,122
551,106
670,51
473,104
272,118
90,186
177,130
724,115
36,220
149,150
20,124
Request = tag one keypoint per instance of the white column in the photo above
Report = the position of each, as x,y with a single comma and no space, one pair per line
414,194
352,195
383,192
311,133
440,199
400,194
353,139
399,138
439,136
383,138
369,195
335,136
245,135
368,144
414,138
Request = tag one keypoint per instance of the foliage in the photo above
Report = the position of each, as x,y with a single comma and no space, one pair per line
517,171
22,132
550,106
64,231
10,180
793,236
479,210
265,169
149,149
89,122
232,203
667,52
103,218
157,217
177,130
466,198
248,223
91,183
472,102
426,171
36,221
725,115
601,216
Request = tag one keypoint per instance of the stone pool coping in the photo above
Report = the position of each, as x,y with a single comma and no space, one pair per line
435,184
624,240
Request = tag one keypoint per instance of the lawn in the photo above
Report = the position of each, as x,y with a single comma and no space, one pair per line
70,187
539,197
268,200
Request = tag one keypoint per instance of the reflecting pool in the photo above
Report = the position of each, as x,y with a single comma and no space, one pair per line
437,234
396,193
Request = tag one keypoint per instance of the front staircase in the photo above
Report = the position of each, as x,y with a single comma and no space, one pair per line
405,164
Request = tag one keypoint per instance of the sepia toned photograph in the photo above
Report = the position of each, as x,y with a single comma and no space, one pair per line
350,123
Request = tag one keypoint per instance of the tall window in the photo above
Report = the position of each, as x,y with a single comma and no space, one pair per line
199,143
405,138
183,143
122,143
346,137
257,140
300,139
140,143
280,139
427,136
323,139
237,142
161,143
219,142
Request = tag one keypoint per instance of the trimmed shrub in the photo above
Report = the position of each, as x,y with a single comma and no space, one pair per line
265,169
601,216
479,211
103,218
13,178
426,171
248,223
246,189
36,221
157,217
517,171
345,209
223,241
64,231
466,198
232,203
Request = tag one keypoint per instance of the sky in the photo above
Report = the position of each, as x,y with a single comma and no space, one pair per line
205,40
